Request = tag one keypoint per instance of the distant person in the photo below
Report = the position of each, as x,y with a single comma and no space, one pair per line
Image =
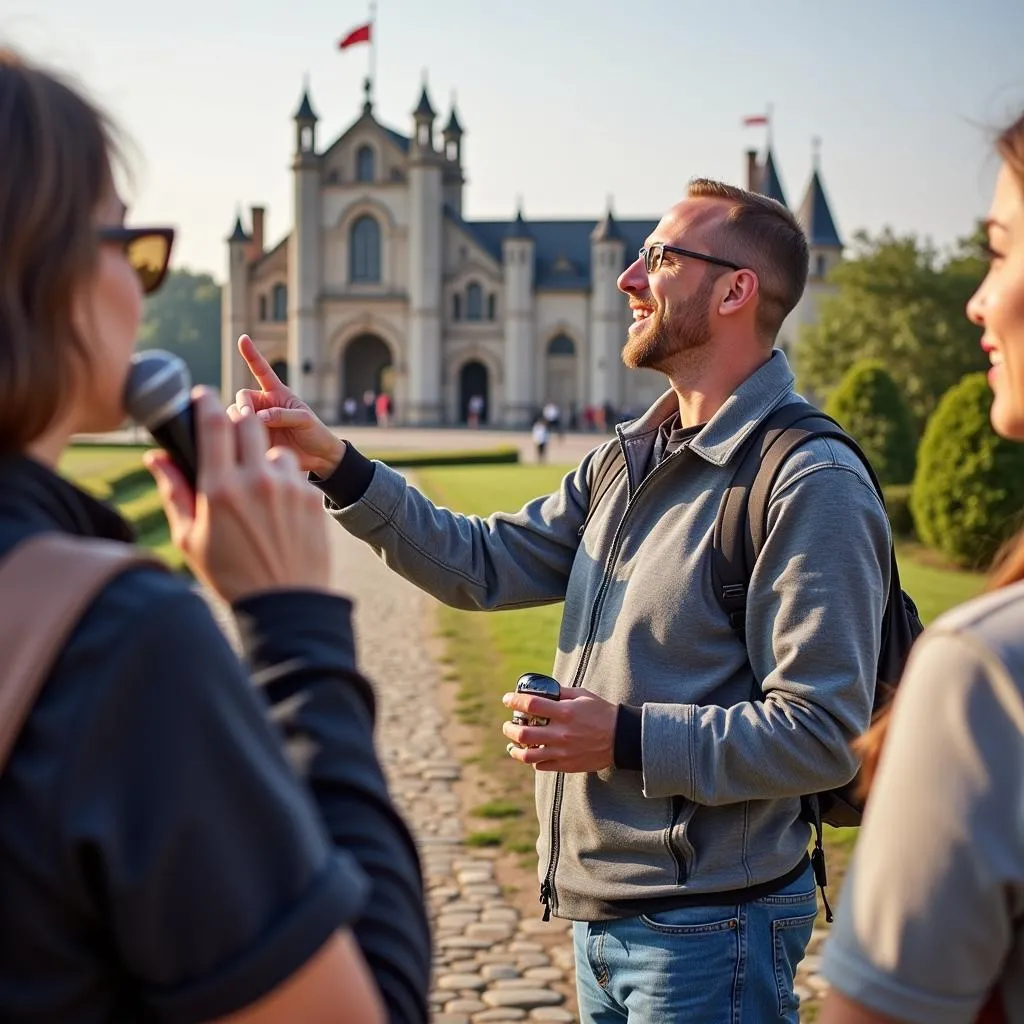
369,407
540,434
383,409
930,928
350,408
669,779
160,858
476,410
553,416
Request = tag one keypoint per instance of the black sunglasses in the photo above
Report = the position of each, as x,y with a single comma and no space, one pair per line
148,251
654,255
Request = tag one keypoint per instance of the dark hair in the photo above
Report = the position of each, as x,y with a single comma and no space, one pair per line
763,235
55,169
1008,567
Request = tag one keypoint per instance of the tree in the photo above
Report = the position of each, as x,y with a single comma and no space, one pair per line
896,301
869,405
968,491
183,317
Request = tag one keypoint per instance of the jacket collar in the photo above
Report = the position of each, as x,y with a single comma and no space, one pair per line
723,435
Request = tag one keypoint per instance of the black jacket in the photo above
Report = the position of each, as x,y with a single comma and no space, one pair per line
160,859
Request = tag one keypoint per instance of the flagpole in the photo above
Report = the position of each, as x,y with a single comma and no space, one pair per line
373,45
768,112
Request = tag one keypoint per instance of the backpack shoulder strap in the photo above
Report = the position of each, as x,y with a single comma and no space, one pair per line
608,467
741,525
46,584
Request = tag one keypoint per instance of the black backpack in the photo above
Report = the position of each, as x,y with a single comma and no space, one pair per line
740,530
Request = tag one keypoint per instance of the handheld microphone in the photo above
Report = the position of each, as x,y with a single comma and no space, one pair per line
158,397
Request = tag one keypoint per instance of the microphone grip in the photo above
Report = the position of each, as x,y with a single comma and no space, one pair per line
177,437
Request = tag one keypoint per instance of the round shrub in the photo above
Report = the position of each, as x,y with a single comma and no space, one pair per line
897,504
871,409
968,491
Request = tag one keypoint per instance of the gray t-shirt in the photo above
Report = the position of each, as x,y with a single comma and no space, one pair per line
931,917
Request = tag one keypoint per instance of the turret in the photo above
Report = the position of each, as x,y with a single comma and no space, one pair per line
423,123
517,254
234,314
815,217
607,309
426,201
304,274
825,251
454,179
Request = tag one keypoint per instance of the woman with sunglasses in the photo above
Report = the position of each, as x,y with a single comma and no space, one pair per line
160,860
931,929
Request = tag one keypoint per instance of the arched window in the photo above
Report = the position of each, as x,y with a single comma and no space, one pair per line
456,307
492,305
280,302
364,251
561,345
474,302
365,164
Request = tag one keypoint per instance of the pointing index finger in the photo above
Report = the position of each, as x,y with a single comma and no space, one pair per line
258,365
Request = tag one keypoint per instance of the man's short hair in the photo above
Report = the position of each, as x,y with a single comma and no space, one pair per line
759,233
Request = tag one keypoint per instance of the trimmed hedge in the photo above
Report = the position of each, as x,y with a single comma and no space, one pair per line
472,457
872,410
968,492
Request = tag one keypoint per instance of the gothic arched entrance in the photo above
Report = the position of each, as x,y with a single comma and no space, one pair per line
473,383
365,367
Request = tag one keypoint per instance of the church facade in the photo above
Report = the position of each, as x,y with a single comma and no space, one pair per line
381,285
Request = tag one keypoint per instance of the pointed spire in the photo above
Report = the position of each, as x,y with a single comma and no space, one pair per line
238,234
453,129
518,228
607,229
305,113
771,183
423,109
815,214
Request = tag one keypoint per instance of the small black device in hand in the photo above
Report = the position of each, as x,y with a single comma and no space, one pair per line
541,686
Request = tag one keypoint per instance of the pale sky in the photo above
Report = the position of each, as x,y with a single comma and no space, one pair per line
564,102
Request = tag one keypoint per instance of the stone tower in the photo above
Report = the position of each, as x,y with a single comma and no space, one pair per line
426,168
608,326
304,272
517,252
815,216
234,315
454,178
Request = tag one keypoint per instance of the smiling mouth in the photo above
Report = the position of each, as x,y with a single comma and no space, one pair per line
641,312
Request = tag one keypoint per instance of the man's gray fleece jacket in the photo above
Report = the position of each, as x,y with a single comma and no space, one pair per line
731,737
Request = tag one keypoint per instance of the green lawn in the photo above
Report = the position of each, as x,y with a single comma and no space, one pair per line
115,474
487,652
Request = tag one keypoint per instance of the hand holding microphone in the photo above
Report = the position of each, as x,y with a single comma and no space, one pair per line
252,523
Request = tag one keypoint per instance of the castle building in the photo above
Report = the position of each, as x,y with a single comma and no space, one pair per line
382,285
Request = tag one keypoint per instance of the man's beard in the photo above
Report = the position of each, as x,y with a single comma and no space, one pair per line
656,343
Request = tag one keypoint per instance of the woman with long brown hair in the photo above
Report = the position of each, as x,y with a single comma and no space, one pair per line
160,859
931,928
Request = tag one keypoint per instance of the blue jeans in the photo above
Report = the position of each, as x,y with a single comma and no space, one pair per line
698,965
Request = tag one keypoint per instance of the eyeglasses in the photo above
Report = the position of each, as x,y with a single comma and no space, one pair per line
654,255
148,251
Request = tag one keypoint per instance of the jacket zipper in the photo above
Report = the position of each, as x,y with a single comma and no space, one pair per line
548,896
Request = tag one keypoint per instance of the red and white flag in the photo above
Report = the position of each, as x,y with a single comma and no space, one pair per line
755,119
357,35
